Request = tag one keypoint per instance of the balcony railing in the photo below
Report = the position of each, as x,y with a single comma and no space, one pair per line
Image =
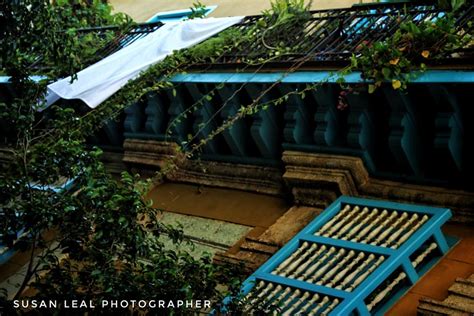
421,136
119,38
417,137
328,37
332,36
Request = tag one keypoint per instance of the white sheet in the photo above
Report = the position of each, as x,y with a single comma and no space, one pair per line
99,81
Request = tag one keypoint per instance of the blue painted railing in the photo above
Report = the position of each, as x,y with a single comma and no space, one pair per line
406,258
419,136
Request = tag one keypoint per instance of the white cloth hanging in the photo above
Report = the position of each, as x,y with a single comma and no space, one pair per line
99,81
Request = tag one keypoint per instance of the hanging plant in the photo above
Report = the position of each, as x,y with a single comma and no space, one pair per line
283,24
401,57
198,11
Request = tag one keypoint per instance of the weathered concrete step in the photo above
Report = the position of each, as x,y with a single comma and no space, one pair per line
252,239
251,260
258,247
463,287
432,307
461,302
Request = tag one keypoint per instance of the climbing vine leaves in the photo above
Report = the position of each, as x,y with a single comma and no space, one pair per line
401,57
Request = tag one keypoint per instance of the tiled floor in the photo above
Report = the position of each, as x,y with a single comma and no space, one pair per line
458,263
208,235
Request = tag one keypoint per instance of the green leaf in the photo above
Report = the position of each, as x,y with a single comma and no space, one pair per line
371,88
386,73
354,62
457,4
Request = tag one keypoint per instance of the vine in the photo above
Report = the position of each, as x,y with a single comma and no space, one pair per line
157,77
402,57
397,59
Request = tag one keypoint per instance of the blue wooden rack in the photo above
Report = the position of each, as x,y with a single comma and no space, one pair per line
395,260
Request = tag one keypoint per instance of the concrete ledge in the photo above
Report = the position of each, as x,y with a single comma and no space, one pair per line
314,178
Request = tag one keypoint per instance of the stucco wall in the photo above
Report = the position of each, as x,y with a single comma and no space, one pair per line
141,10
